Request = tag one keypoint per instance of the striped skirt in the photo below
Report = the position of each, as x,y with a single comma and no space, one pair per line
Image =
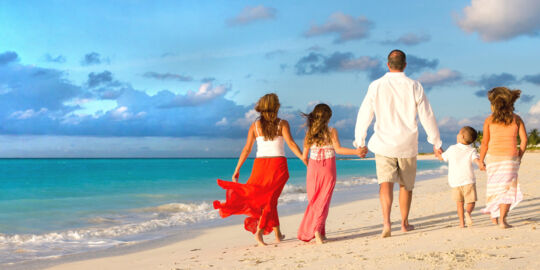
502,184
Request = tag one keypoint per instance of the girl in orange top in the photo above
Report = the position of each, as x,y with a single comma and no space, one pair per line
500,152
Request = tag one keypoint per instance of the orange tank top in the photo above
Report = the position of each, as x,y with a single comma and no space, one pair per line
503,139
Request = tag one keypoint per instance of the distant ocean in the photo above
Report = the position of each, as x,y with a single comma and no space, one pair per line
55,207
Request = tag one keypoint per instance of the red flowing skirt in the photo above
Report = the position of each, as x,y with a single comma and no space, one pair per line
258,197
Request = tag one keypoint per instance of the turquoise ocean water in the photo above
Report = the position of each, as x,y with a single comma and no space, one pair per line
54,207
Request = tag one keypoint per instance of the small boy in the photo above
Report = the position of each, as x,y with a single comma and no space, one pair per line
461,178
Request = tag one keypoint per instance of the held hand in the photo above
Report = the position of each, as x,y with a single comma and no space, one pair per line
482,166
235,177
362,151
520,153
305,161
438,152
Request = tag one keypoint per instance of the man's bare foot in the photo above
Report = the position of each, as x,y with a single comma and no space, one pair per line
468,219
495,221
259,238
318,238
461,225
386,232
406,227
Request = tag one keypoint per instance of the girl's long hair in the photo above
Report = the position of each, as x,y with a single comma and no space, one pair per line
318,133
268,107
502,99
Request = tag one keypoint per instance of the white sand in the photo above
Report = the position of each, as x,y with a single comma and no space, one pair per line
353,231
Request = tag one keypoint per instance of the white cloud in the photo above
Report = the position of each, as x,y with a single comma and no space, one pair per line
122,113
441,77
451,125
249,117
250,14
21,115
347,27
222,122
532,119
205,94
535,109
496,20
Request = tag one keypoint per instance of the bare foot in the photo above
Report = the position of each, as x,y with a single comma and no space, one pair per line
318,238
279,237
259,238
505,225
461,225
406,227
495,221
386,232
468,219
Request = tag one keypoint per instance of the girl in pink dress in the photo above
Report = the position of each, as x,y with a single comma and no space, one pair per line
322,143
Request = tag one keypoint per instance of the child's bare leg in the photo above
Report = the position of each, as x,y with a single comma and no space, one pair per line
279,235
460,214
318,238
504,212
468,211
495,221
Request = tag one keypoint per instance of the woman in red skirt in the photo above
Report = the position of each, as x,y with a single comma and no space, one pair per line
258,197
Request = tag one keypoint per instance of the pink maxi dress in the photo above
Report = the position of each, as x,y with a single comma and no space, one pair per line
320,183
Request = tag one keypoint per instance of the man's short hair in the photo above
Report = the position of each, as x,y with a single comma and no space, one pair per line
469,134
397,60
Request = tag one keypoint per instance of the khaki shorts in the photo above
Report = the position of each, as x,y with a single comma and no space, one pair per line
396,170
466,193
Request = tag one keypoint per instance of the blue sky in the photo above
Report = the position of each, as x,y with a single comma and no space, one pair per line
179,78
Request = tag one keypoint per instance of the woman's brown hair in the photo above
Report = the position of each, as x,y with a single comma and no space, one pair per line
317,125
502,99
268,107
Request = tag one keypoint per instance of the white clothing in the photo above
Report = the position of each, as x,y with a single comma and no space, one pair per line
395,100
321,152
270,148
460,158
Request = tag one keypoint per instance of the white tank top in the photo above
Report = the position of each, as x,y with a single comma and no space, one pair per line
322,152
270,148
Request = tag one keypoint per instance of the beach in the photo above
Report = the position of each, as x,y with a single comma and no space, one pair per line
353,231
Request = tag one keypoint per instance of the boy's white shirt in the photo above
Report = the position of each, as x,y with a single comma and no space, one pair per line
460,158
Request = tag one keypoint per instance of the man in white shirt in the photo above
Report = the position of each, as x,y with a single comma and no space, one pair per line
395,100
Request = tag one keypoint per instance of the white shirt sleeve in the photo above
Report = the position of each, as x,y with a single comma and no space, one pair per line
363,120
427,118
474,155
446,154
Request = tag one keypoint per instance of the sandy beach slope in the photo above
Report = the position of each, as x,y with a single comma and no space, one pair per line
353,231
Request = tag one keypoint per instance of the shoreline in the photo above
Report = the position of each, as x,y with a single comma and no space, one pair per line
354,238
59,246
